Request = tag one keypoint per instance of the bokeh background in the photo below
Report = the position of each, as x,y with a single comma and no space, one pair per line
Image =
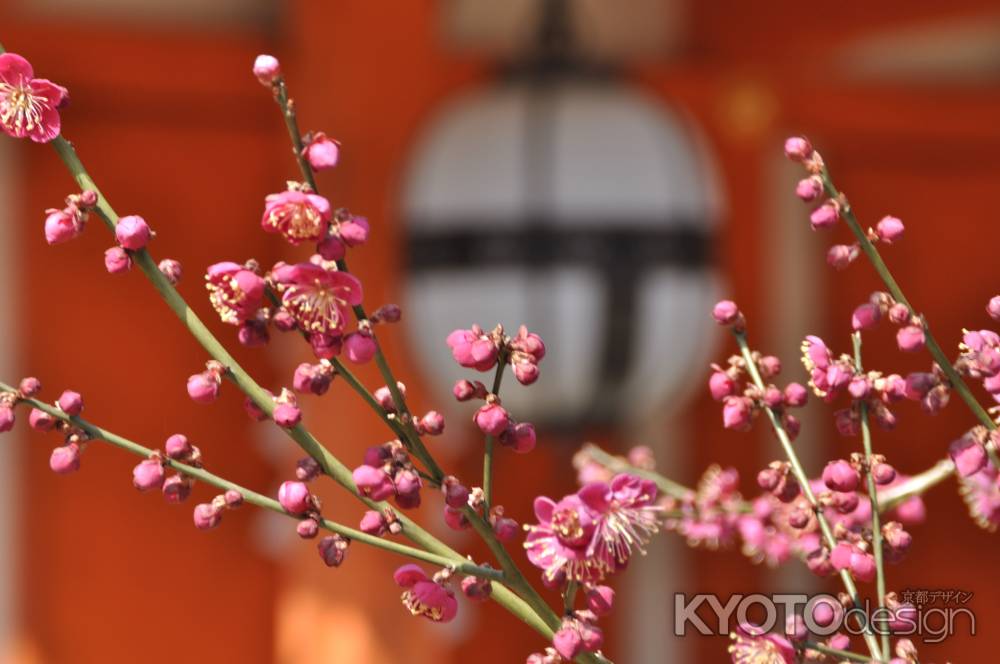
599,170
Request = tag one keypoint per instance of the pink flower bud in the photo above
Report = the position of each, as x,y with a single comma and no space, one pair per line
825,612
477,589
38,420
148,475
818,563
455,519
373,482
863,566
333,549
463,390
177,447
283,321
311,378
253,411
798,148
206,516
232,498
307,469
65,459
267,69
865,317
770,366
253,333
593,637
521,437
796,395
506,529
839,256
993,307
772,397
176,489
384,397
844,502
839,475
432,423
859,387
307,529
172,270
455,494
387,313
294,497
969,456
70,402
491,419
526,373
721,385
62,226
6,418
331,248
203,387
889,229
910,338
736,413
29,387
899,314
568,642
359,348
116,260
354,232
373,523
725,312
883,473
287,416
322,153
897,538
809,189
132,232
600,600
840,557
825,216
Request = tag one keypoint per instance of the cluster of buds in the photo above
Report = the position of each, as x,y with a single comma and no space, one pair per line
579,633
345,231
980,357
477,349
742,400
132,233
708,516
177,487
388,472
68,223
910,337
65,458
208,515
493,419
313,378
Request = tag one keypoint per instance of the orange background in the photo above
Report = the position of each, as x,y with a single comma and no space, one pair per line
172,126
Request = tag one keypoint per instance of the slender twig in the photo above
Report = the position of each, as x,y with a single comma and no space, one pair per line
803,480
488,453
618,464
917,484
569,597
877,544
956,380
842,654
98,433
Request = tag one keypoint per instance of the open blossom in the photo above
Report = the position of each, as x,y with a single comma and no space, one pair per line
981,492
592,533
298,215
751,645
234,291
28,105
317,298
425,596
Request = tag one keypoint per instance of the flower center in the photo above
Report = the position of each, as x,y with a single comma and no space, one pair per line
418,608
566,524
298,221
21,109
316,306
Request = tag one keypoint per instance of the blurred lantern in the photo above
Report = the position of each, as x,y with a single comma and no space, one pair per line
561,198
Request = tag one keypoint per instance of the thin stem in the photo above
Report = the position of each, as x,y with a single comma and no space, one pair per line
917,484
956,380
488,453
803,480
834,652
97,433
877,544
569,597
618,464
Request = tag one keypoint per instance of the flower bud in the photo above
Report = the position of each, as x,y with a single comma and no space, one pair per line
825,216
373,482
29,386
253,333
796,395
116,260
359,348
455,494
568,642
506,529
132,232
203,387
725,312
373,523
476,589
865,317
721,385
993,307
889,229
969,456
736,413
387,313
432,423
521,437
307,529
287,416
172,270
177,447
71,402
354,232
321,153
38,420
148,475
62,226
267,69
206,516
899,314
809,189
600,600
176,489
839,256
331,248
839,475
232,498
463,390
798,148
333,549
883,473
455,519
526,373
910,338
294,497
491,419
307,469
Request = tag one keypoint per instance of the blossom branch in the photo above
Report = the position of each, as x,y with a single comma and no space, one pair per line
879,552
97,433
803,480
872,253
490,441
